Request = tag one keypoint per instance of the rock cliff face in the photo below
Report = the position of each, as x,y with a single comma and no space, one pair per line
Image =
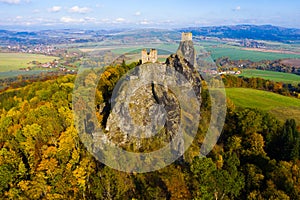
149,102
184,67
186,50
142,108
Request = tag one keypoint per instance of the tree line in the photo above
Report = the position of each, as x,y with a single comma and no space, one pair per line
224,63
262,84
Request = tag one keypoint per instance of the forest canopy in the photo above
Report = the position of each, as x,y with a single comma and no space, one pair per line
42,157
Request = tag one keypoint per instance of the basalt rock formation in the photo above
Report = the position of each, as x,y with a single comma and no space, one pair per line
147,103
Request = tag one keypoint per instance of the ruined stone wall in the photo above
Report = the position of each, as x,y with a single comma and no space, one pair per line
144,56
186,37
186,48
150,57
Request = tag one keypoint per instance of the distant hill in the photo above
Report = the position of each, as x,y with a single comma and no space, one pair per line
264,32
59,36
67,36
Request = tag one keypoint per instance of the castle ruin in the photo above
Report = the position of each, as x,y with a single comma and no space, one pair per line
188,36
186,48
150,57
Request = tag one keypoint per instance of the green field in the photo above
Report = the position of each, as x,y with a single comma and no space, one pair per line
218,50
15,61
237,54
280,106
272,76
10,74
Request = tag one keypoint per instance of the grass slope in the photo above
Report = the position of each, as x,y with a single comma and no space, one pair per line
14,61
273,76
281,106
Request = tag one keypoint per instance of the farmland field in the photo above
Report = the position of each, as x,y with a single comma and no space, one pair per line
293,62
217,49
273,76
15,61
237,54
280,106
10,74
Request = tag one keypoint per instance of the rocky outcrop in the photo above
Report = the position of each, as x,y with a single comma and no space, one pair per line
142,108
186,50
188,70
154,100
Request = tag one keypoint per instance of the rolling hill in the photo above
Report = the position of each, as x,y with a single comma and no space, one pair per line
281,107
264,32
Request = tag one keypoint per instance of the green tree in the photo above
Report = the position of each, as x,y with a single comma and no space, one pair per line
110,184
202,181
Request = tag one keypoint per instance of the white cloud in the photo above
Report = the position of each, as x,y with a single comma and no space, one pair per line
22,20
70,20
105,20
66,19
11,1
120,19
238,8
77,9
145,22
55,9
138,13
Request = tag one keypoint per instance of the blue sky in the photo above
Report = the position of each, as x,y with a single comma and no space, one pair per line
154,13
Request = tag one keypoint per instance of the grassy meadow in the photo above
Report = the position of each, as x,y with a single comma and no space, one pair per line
280,106
219,49
240,54
15,61
273,76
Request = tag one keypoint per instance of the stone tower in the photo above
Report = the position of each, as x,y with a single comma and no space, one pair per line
186,36
186,48
149,57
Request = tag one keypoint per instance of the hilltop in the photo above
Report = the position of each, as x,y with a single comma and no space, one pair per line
63,36
264,32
